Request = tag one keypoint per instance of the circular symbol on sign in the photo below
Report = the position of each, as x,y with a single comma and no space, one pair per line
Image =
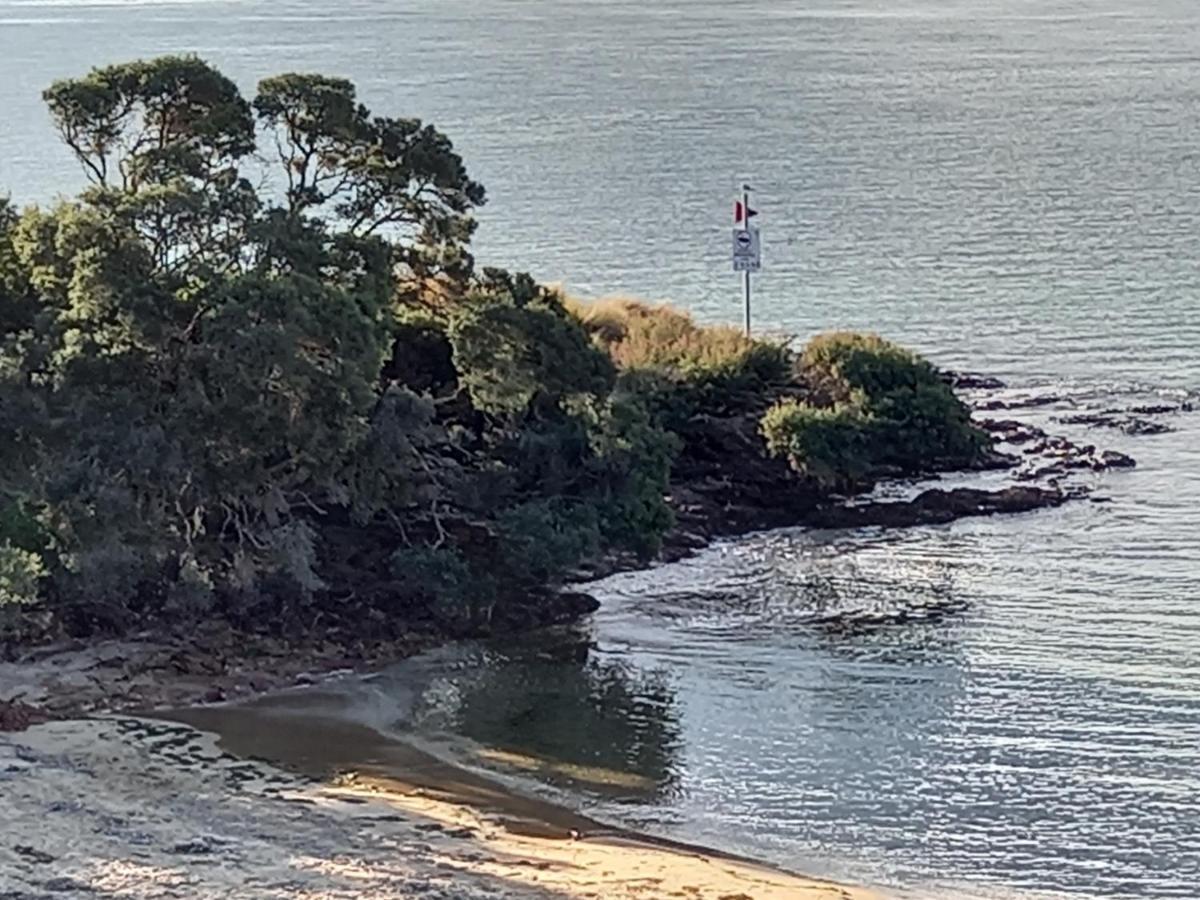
743,240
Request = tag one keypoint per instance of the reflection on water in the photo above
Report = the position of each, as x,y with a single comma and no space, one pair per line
555,708
1014,710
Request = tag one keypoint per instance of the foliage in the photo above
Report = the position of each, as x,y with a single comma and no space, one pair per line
549,535
923,424
223,394
841,363
191,373
831,445
442,580
369,173
875,407
21,572
632,456
250,371
519,352
667,341
590,465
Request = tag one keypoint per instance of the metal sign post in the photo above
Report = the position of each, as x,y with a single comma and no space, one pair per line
747,247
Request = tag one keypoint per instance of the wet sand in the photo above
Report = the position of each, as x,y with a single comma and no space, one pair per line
268,804
283,730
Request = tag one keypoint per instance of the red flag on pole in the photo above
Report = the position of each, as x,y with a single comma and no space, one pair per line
742,213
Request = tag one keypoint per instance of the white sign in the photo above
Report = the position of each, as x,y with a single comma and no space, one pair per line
747,250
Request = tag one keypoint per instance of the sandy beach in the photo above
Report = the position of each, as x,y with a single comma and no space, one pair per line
141,808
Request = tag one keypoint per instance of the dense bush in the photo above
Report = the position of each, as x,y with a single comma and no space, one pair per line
833,445
23,566
519,353
875,407
21,572
443,582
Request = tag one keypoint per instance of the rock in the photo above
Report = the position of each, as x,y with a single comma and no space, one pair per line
65,885
1119,422
994,461
1042,473
577,603
1112,459
972,381
1145,426
1156,410
1026,402
17,716
32,853
1011,432
937,506
542,608
214,695
199,847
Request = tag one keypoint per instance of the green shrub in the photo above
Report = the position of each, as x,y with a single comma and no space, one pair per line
831,445
442,579
544,538
875,407
21,573
926,427
844,367
515,353
631,462
20,528
597,477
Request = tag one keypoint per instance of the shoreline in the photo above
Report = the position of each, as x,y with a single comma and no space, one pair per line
216,662
154,671
162,807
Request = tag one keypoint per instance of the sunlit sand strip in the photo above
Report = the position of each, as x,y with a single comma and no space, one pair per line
146,809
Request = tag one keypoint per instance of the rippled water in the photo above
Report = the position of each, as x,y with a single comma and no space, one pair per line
1008,185
1040,739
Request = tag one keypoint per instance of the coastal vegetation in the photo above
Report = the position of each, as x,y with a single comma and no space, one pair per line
252,373
874,409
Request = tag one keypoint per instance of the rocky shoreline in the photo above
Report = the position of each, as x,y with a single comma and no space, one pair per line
718,500
726,486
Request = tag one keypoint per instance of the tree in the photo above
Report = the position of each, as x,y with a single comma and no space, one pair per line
372,174
520,353
220,391
153,121
190,370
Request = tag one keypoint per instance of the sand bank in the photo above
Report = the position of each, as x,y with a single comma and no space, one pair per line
138,808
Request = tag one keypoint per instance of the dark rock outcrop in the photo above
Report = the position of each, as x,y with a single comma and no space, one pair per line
1112,459
972,381
17,716
937,506
724,483
1009,431
1132,425
542,609
1031,402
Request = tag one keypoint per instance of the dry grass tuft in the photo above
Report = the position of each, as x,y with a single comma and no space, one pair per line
661,338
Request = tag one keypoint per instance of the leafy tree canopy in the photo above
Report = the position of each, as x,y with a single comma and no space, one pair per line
251,364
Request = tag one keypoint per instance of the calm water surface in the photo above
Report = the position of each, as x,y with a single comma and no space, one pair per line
1008,185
